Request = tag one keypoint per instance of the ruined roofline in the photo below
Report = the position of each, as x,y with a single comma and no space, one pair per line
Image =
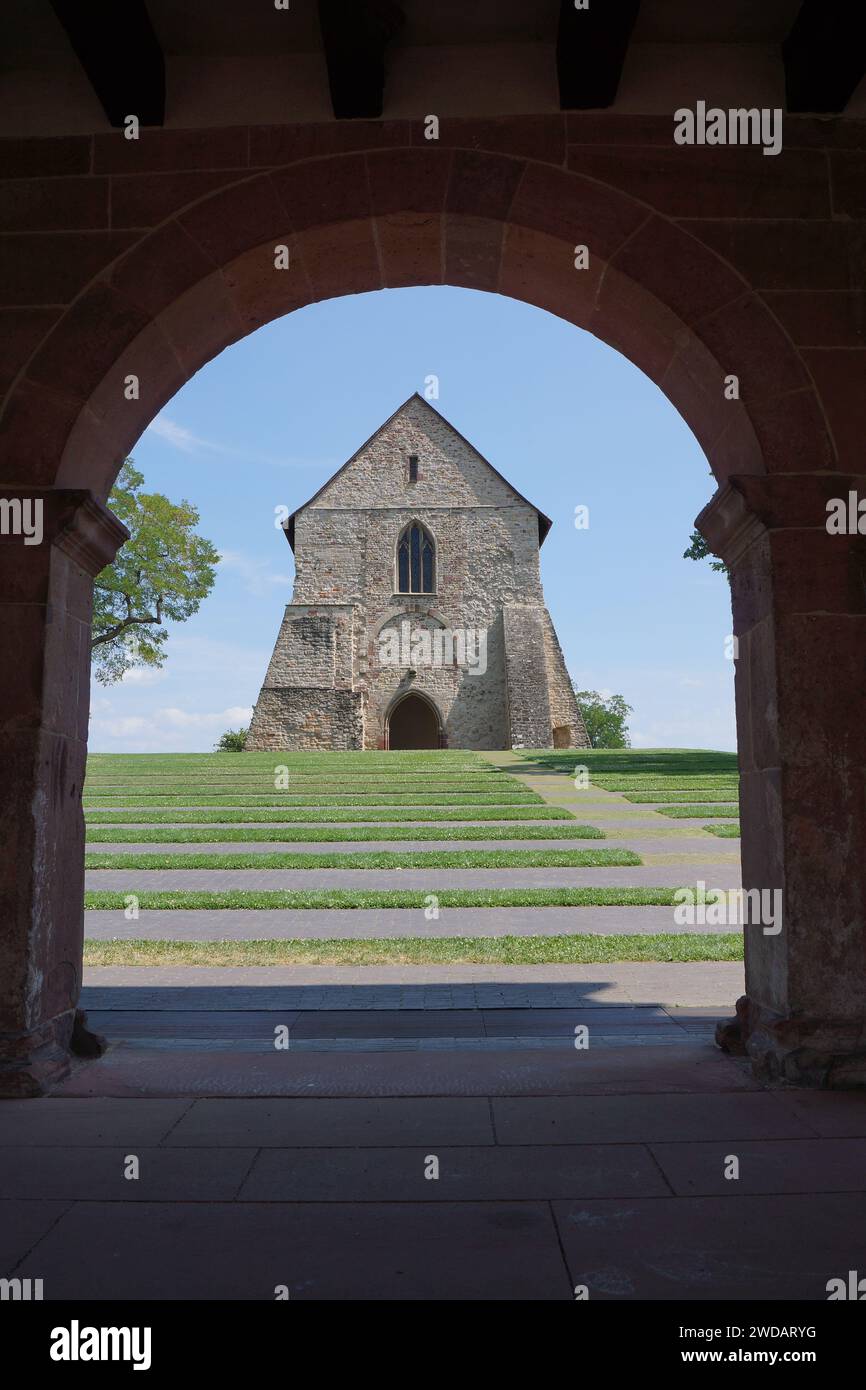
544,522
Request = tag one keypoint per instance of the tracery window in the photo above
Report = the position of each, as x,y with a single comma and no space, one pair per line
416,555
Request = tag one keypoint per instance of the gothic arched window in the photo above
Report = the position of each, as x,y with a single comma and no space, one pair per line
415,560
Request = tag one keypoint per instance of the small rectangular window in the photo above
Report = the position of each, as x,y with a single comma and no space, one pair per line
413,468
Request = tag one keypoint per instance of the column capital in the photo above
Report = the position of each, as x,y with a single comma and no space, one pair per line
72,519
749,505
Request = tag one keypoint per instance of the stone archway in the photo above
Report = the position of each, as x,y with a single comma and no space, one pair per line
103,334
413,722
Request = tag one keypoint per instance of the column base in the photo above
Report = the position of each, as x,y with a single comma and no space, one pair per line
824,1053
32,1063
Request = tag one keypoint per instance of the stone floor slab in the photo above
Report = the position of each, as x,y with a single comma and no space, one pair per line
88,1121
341,1122
832,1114
749,1247
650,1119
530,1173
22,1226
78,1173
345,1251
692,1067
804,1165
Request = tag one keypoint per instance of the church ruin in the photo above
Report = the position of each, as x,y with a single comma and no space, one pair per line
418,618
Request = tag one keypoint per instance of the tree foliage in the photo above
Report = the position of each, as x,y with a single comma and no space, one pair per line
699,550
232,741
605,719
162,573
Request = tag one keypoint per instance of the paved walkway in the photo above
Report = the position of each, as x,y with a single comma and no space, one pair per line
354,924
713,984
423,880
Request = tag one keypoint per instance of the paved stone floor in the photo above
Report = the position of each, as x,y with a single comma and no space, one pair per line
307,1166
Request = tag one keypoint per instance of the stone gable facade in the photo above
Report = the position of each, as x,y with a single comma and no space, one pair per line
460,654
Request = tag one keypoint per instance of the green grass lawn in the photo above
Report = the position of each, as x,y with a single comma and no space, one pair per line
705,809
672,797
385,859
100,835
300,787
724,832
348,798
439,760
449,950
618,762
315,898
323,815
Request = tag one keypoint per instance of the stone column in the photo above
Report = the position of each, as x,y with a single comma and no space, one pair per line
46,592
799,605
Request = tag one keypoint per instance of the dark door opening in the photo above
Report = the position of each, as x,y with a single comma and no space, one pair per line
413,724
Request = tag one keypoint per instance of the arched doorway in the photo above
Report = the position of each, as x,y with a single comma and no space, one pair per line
501,209
413,723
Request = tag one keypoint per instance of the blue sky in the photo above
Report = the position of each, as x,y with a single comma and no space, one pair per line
569,421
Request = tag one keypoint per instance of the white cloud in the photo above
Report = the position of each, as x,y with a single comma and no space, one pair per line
208,657
178,436
167,730
186,719
121,728
142,675
183,439
256,576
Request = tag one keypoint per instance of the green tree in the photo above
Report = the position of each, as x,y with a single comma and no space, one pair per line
232,741
699,550
162,572
605,719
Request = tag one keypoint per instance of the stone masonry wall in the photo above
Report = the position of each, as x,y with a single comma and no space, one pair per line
526,668
307,717
564,711
307,699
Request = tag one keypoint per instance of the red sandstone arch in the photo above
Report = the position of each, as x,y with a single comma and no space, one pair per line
185,268
205,277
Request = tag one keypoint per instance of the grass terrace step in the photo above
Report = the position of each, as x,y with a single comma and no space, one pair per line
198,836
348,758
691,812
621,761
408,781
633,784
315,898
323,816
285,799
724,832
663,797
449,950
425,859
